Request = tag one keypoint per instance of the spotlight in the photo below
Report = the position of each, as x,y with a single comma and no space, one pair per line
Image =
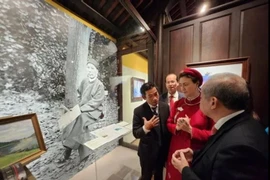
203,8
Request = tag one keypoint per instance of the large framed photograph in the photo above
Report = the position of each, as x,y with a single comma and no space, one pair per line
239,66
20,139
136,84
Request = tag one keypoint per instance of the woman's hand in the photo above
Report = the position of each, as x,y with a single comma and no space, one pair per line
183,123
179,124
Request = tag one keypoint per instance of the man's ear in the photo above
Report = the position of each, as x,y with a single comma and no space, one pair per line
213,102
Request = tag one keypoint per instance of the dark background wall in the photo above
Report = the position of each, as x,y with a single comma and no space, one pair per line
235,32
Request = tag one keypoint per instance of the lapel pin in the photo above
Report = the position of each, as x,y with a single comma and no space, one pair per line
180,109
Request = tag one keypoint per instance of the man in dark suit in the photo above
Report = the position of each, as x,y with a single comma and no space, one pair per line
172,94
238,148
149,125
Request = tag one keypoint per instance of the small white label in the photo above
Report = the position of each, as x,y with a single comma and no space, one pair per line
180,109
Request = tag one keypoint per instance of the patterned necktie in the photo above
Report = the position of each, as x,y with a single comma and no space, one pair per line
154,110
159,127
171,101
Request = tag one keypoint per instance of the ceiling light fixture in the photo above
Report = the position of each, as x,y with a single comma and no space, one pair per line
203,8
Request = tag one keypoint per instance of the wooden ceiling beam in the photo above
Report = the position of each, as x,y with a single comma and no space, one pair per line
191,3
101,4
168,16
139,3
183,8
132,41
151,15
149,3
177,16
111,9
118,14
86,8
140,37
140,48
130,45
175,8
170,5
144,54
130,36
124,20
191,9
137,17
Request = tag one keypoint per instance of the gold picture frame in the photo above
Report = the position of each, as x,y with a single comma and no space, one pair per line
20,140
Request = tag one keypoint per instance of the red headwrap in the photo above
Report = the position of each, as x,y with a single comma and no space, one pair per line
194,73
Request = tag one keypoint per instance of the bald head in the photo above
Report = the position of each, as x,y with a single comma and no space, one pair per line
230,89
171,83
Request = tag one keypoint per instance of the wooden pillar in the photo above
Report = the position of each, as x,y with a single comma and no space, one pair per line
151,57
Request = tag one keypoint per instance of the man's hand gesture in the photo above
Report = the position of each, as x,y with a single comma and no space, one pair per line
153,122
181,158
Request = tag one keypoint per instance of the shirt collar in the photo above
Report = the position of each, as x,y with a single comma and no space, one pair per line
175,95
152,106
223,120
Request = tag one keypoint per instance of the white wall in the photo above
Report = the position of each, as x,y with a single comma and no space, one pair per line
129,106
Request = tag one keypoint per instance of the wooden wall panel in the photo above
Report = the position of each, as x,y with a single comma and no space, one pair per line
254,43
181,43
215,35
234,32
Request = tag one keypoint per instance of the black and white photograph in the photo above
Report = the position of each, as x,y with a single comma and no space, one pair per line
39,74
120,89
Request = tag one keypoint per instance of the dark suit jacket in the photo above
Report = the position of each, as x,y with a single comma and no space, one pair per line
238,151
149,146
164,97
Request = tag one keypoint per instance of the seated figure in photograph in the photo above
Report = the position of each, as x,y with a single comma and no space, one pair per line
91,95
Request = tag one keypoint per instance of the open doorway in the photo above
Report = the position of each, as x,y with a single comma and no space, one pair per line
134,74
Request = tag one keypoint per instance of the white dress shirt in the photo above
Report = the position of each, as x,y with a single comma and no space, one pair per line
175,96
223,120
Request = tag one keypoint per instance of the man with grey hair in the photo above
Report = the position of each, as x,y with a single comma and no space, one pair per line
238,148
91,95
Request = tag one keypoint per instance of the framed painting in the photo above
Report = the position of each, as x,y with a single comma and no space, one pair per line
239,66
20,139
136,84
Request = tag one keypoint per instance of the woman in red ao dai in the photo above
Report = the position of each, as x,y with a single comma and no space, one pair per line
188,125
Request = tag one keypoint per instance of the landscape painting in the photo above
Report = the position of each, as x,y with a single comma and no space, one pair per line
18,140
238,66
136,84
